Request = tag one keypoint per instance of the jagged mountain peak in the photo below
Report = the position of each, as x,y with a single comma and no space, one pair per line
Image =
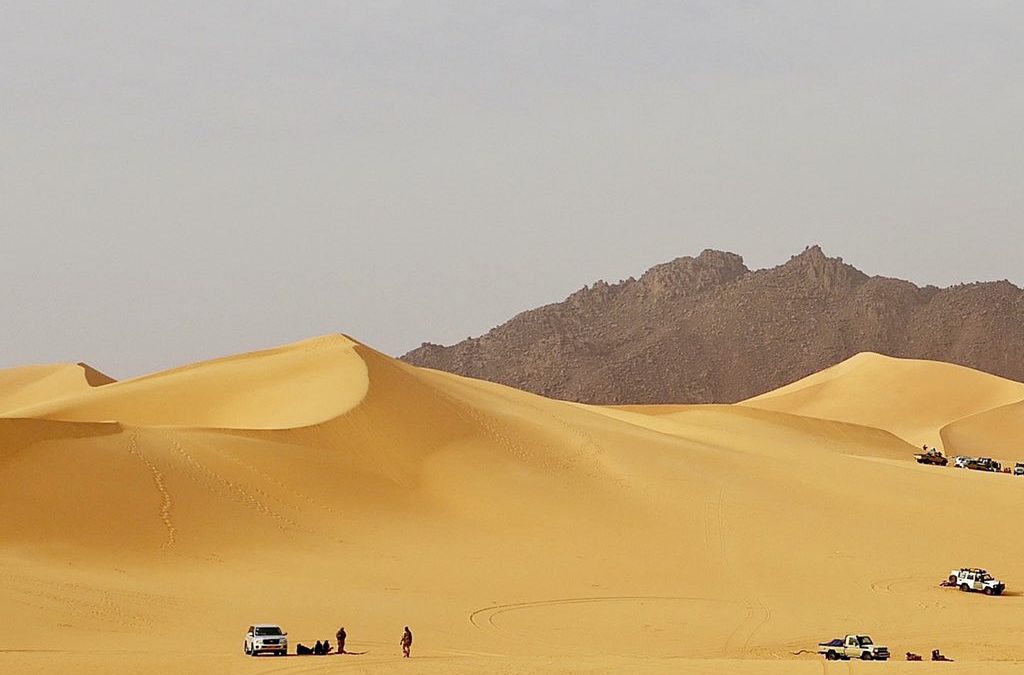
708,329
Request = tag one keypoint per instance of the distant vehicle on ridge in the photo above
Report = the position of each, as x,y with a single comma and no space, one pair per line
932,456
984,464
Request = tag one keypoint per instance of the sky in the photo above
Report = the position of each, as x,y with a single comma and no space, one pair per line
184,180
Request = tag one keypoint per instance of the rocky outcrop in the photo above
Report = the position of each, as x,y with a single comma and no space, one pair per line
708,329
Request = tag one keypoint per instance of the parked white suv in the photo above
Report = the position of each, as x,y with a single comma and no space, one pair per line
265,638
976,579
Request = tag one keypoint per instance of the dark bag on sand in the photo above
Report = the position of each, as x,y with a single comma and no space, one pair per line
303,650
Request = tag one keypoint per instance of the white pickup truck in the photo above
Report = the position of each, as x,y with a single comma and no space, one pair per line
853,647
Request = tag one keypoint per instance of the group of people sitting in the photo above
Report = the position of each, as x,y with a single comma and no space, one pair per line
936,656
323,648
319,649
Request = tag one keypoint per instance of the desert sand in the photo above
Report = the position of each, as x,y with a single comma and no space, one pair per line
145,524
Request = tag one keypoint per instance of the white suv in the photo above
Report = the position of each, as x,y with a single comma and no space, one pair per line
976,579
265,638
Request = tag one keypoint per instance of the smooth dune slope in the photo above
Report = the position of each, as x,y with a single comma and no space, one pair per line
733,427
911,398
296,385
29,385
991,433
513,533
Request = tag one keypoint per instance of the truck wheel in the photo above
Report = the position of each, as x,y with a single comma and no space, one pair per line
831,656
987,590
964,587
245,648
865,656
952,579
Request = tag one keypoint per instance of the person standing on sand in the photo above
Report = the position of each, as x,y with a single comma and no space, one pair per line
406,642
341,635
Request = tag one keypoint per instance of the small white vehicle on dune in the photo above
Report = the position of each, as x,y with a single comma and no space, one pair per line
853,647
976,579
265,638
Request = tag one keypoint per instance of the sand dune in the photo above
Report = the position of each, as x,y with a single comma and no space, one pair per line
29,385
298,385
992,433
911,398
147,523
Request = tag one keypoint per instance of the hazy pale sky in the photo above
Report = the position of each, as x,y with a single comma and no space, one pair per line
184,180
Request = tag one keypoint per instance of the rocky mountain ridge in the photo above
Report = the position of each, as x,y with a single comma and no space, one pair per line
708,329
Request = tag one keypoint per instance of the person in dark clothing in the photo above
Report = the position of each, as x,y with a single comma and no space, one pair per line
318,648
341,635
303,650
326,648
406,642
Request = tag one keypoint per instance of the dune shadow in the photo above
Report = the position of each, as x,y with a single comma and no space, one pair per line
312,656
95,378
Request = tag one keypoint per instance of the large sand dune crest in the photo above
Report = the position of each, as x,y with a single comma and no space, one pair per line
325,483
911,398
29,385
297,385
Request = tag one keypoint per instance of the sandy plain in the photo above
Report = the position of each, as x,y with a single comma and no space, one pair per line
145,524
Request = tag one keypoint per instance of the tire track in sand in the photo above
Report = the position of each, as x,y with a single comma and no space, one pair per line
766,616
714,544
479,616
484,618
889,584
